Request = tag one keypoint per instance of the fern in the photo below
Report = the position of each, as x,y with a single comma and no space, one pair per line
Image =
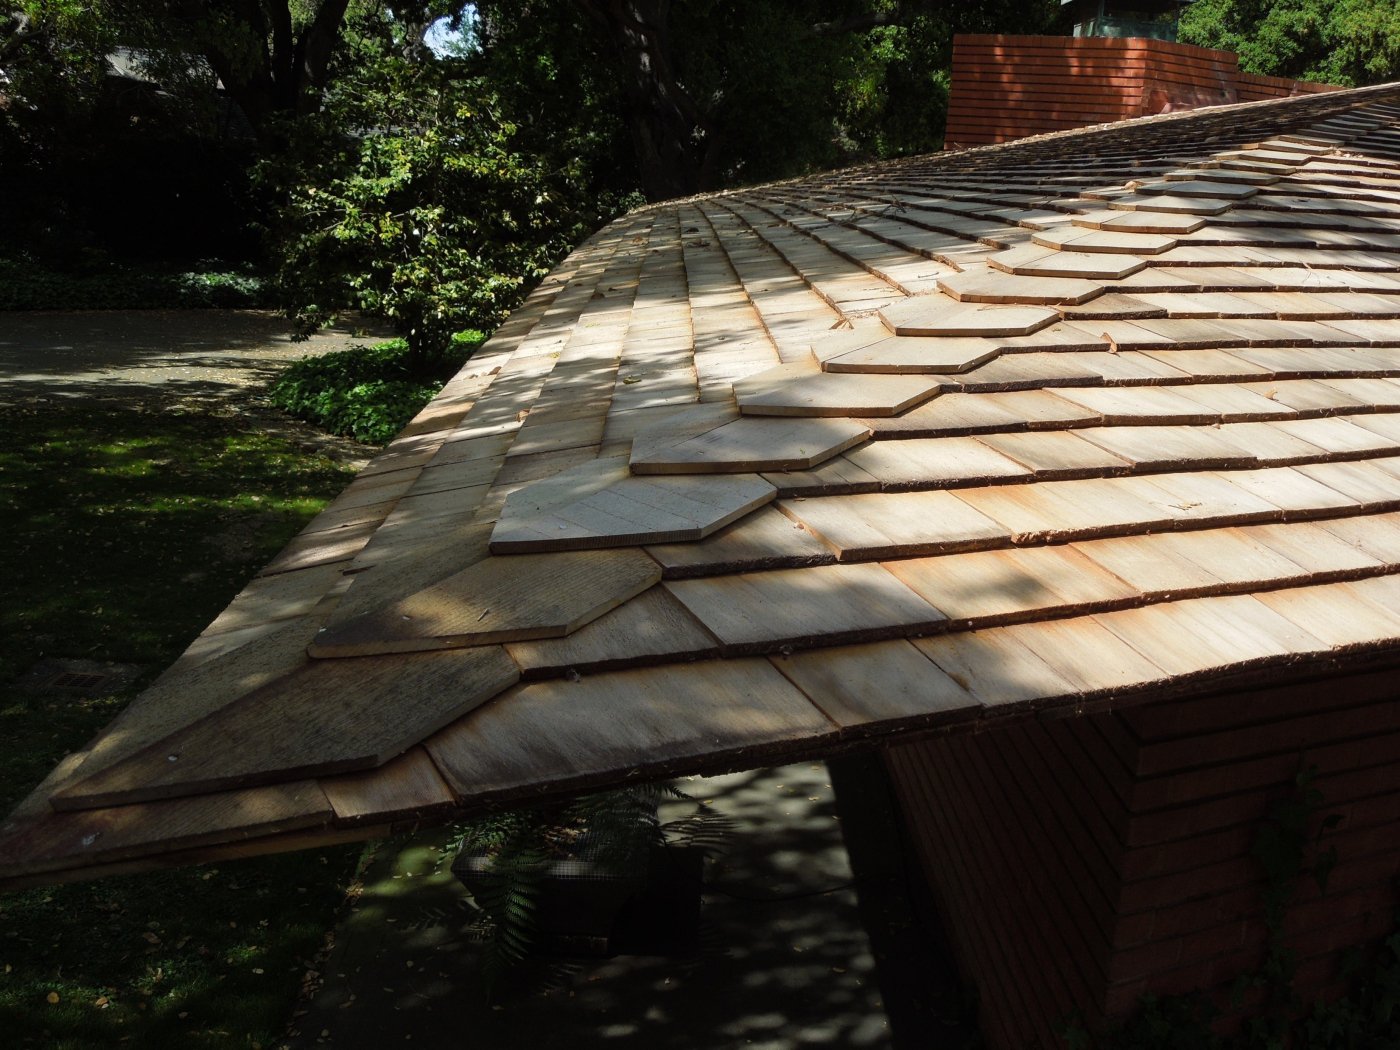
613,831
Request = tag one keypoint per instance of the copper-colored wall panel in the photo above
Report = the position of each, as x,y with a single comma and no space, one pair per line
1008,87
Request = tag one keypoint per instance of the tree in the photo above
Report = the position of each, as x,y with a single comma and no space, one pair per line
272,57
52,63
408,197
1349,42
717,92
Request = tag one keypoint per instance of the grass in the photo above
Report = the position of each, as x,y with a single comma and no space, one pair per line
368,393
127,528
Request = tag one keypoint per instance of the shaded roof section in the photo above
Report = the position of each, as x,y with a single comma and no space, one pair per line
1103,417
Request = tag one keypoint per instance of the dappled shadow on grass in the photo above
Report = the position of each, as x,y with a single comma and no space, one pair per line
127,526
198,957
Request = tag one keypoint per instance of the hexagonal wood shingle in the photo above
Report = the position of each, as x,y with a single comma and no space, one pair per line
496,600
996,286
1140,222
1200,188
804,390
905,354
1036,261
626,511
940,315
1078,239
1170,204
749,445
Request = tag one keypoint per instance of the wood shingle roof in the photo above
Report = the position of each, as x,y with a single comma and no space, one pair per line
1098,418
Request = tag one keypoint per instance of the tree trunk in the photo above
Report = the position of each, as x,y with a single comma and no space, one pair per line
676,144
268,69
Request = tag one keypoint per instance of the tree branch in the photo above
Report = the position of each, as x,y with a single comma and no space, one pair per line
858,23
20,31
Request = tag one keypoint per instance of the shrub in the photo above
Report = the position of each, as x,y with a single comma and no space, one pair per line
368,393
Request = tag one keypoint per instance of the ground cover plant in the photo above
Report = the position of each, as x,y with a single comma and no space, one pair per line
127,528
27,284
368,393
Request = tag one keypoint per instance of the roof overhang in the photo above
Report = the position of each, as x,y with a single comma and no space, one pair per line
1099,418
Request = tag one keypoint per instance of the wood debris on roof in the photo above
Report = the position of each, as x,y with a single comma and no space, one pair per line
1102,417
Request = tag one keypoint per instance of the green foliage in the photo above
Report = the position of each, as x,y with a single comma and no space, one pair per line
1369,1018
779,88
408,197
1349,42
368,393
1179,1022
1287,847
107,146
28,285
564,103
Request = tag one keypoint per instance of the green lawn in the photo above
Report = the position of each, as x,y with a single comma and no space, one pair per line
126,529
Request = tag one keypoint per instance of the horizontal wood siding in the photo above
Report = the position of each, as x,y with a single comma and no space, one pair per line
1085,862
1008,87
1253,87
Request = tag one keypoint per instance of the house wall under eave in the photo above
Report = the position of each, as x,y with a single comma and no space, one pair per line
1081,863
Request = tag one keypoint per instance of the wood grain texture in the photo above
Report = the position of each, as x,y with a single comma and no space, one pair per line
635,510
1058,510
551,736
194,688
407,787
1141,222
837,476
826,604
934,462
650,628
331,717
1170,204
995,286
753,445
993,587
897,524
1165,448
499,599
1210,634
1077,239
1058,454
1089,657
57,840
994,667
802,392
1038,261
929,315
863,686
766,539
914,355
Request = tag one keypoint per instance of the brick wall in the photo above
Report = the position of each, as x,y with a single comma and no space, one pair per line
1008,87
1081,863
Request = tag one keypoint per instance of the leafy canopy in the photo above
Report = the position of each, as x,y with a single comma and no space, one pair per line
1347,42
410,197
